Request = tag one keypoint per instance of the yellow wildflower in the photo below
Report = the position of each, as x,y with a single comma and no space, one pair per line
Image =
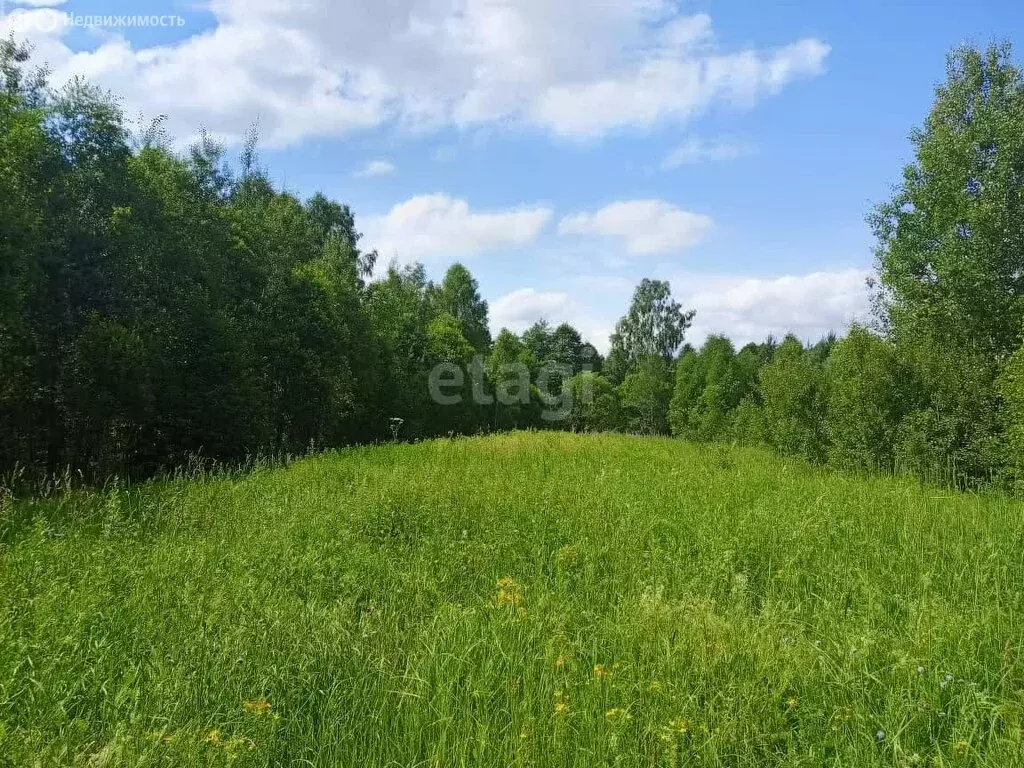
257,707
561,703
679,725
675,730
791,702
509,593
618,714
601,670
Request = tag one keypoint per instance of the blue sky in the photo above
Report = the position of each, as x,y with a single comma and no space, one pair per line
564,151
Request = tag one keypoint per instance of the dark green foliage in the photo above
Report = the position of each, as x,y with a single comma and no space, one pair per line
951,265
569,349
710,385
399,313
459,296
562,345
509,370
446,342
953,430
794,396
645,396
820,352
1011,386
655,326
748,423
866,401
951,242
156,307
595,404
538,340
449,355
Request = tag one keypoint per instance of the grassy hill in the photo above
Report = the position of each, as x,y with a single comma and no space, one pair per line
528,599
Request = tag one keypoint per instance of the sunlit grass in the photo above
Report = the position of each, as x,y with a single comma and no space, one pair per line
529,599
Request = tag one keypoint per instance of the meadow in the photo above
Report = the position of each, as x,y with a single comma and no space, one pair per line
531,599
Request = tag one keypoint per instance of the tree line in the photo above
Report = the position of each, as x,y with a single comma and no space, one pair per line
158,306
935,387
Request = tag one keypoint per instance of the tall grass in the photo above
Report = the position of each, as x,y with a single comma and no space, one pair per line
521,600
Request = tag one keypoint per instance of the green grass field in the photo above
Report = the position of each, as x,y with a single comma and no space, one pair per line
529,599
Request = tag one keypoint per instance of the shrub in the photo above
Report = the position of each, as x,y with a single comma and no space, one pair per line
793,390
953,432
595,404
748,423
1011,386
865,402
710,384
645,397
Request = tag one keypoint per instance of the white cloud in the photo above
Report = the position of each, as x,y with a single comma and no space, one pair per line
694,151
261,75
440,226
314,68
742,307
750,308
646,227
375,168
520,309
668,87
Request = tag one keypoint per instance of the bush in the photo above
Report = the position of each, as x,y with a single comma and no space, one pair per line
1011,386
595,404
710,385
865,402
793,390
748,423
953,432
645,397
